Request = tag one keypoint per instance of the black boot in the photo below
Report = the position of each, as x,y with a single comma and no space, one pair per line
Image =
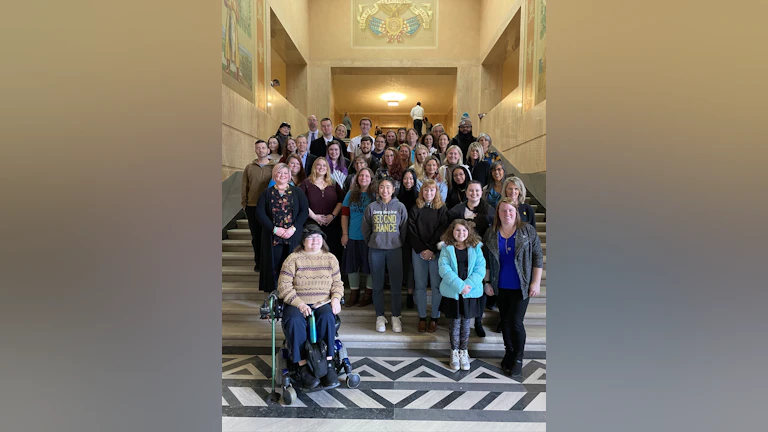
308,381
331,379
506,363
479,330
517,369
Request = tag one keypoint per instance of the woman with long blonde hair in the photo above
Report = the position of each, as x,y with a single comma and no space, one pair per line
424,218
514,188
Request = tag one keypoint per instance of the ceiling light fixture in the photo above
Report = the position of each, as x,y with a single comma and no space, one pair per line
393,103
519,104
389,97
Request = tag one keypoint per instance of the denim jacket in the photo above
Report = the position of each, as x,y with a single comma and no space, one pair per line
528,255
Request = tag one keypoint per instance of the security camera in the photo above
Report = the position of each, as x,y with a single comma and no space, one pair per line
481,115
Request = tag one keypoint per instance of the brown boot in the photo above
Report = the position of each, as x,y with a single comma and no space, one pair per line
352,298
367,298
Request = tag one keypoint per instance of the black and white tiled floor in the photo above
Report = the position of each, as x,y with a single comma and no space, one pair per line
396,385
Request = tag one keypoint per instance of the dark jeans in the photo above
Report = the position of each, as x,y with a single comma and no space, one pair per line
349,132
417,125
296,329
382,260
512,309
255,227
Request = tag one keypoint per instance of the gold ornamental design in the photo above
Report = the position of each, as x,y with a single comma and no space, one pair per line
396,18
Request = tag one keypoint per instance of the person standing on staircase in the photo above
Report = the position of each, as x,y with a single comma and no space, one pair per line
355,257
256,177
281,211
365,131
462,269
417,114
464,138
313,133
384,230
347,123
319,147
477,210
514,189
515,264
424,218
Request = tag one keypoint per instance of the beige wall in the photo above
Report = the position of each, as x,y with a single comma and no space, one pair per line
278,70
520,137
242,123
494,17
294,15
331,26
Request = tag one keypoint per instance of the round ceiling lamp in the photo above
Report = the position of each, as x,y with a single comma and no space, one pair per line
393,97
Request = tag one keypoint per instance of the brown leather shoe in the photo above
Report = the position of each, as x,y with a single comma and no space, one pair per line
422,326
352,298
366,299
432,325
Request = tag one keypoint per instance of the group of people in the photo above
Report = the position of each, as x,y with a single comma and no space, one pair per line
433,211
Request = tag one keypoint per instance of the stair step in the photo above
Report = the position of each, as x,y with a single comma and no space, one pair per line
245,259
230,245
248,310
363,335
242,228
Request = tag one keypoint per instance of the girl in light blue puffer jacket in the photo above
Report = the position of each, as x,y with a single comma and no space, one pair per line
462,269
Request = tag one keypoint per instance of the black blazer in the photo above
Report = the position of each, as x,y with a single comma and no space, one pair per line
319,148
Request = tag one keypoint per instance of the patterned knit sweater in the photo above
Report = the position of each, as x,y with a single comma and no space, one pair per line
309,278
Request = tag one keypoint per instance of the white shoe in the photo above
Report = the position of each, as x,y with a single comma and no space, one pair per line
397,326
454,360
464,359
381,324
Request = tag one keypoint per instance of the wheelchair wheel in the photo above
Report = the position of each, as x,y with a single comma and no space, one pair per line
353,380
289,395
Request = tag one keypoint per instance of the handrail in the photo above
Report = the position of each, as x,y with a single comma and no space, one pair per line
230,199
536,183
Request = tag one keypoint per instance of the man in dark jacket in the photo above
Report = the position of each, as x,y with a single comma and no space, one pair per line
464,138
319,146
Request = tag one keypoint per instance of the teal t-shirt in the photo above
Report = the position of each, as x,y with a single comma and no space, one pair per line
356,212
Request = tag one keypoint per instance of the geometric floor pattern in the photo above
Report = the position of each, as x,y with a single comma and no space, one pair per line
395,385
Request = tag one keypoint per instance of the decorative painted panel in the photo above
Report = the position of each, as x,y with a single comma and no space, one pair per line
237,47
394,23
541,51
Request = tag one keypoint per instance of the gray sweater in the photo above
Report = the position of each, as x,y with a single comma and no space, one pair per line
384,225
528,255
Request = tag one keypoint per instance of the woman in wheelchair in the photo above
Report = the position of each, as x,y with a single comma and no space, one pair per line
310,276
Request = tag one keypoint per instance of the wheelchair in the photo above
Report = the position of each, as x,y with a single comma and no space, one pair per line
284,371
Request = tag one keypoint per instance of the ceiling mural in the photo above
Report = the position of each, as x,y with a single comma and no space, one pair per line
394,23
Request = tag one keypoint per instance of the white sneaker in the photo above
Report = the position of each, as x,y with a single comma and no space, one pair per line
381,324
397,326
464,359
454,360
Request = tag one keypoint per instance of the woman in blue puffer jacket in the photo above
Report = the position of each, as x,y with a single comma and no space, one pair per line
462,269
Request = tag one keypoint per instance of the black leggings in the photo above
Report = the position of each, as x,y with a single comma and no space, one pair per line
512,309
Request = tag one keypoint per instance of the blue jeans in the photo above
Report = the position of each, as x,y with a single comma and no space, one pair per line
423,269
